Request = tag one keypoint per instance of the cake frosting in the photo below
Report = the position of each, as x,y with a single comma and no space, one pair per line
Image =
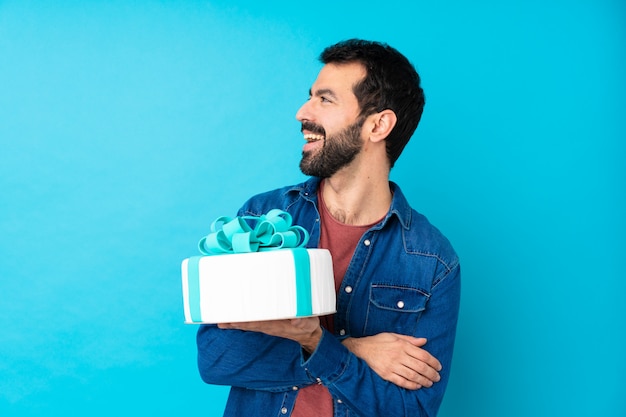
280,284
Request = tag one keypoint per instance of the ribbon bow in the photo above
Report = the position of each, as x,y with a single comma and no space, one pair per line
272,231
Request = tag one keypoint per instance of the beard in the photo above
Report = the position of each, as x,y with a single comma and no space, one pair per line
338,150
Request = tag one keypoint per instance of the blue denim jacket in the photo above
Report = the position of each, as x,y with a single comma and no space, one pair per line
404,277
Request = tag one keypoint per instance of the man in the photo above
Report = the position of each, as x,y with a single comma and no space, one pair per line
387,351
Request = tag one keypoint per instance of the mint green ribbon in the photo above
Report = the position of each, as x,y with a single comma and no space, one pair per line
193,288
304,293
273,230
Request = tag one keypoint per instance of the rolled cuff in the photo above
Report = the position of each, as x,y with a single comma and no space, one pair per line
329,360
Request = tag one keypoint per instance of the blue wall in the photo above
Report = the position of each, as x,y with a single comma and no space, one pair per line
126,129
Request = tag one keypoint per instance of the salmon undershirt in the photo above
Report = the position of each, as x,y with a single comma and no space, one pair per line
341,240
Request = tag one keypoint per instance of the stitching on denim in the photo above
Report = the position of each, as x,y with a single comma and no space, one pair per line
361,274
448,267
446,273
343,369
372,299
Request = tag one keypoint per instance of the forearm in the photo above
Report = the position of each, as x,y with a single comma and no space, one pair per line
361,389
397,358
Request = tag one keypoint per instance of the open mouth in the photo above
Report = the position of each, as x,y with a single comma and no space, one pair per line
311,137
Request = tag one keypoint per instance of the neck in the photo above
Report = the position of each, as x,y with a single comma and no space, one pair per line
357,199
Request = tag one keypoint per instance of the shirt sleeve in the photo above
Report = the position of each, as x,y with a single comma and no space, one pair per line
249,360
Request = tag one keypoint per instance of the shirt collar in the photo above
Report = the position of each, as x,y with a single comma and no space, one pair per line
399,205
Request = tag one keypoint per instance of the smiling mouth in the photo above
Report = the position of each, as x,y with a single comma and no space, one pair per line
310,137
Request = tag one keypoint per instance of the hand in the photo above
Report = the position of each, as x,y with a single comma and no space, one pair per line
397,358
306,331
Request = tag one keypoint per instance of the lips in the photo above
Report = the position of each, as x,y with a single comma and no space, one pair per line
312,132
313,141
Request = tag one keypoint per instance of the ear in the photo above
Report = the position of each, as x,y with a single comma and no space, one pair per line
382,124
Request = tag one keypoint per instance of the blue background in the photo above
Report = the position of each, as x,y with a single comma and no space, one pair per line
127,127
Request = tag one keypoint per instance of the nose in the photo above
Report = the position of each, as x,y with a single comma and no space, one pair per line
303,112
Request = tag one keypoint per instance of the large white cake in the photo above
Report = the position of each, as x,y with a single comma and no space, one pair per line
268,285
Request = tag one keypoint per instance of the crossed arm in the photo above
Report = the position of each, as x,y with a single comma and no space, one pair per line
400,362
396,358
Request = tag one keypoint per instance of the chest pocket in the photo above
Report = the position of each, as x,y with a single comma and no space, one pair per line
394,309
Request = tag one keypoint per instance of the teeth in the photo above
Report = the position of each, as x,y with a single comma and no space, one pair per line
312,138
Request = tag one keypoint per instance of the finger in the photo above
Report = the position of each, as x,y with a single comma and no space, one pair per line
413,371
405,383
414,350
416,363
425,357
413,377
238,326
415,341
420,371
425,364
302,323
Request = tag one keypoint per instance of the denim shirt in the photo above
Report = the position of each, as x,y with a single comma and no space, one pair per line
404,277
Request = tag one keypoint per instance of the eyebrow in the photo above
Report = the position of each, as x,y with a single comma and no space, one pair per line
323,92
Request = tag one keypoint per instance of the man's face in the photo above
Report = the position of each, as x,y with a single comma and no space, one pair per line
330,121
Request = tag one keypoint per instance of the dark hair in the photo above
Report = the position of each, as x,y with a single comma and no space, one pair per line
391,83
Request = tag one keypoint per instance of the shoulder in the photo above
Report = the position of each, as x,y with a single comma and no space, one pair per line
424,238
427,242
420,236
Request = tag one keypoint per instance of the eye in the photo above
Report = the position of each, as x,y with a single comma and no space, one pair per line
325,99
